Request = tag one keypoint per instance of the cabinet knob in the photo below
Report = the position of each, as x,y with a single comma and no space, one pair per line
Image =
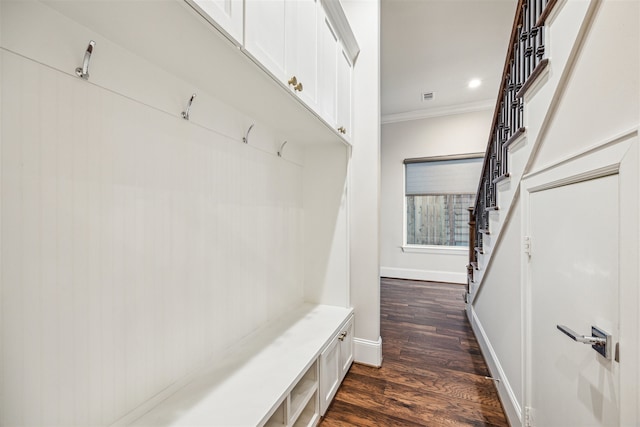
342,130
342,336
298,87
293,81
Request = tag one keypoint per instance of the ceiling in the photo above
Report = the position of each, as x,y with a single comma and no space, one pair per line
439,46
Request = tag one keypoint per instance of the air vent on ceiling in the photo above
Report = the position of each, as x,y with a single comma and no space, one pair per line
427,96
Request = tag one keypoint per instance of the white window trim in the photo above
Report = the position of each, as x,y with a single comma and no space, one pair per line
433,249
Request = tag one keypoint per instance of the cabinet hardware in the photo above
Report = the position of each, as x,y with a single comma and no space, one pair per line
298,87
293,81
342,130
83,72
185,113
342,336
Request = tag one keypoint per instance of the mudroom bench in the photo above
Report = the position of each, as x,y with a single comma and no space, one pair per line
284,374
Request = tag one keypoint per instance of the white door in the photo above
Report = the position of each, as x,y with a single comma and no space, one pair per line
346,348
265,34
344,94
329,373
327,76
574,282
301,60
227,14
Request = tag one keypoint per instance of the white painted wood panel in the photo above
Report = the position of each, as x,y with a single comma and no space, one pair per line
131,241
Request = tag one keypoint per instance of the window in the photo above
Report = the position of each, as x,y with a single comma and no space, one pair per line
438,192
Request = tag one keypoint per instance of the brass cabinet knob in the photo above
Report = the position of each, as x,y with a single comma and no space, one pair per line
293,81
342,130
298,87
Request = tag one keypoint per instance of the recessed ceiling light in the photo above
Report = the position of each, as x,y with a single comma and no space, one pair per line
474,83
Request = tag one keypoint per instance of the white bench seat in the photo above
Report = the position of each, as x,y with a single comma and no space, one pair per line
246,386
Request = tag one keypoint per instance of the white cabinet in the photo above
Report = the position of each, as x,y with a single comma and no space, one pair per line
228,15
265,34
301,47
329,373
328,76
282,35
297,43
346,348
335,361
344,95
334,100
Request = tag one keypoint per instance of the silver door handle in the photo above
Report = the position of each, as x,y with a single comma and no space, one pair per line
600,340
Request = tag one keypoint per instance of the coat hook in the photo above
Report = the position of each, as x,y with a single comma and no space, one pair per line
281,147
83,72
185,114
245,138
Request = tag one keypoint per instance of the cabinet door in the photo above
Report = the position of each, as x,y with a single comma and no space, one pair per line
329,373
227,14
328,77
301,61
346,348
265,34
344,94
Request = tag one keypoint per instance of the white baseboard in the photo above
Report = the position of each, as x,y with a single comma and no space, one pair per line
430,275
368,352
510,404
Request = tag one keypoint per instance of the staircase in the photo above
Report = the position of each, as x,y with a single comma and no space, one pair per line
543,118
525,63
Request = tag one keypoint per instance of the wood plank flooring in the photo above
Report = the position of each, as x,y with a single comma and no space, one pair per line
433,373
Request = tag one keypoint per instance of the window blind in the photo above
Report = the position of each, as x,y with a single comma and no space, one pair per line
456,176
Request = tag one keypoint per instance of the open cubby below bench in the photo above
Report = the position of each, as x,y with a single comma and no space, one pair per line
271,378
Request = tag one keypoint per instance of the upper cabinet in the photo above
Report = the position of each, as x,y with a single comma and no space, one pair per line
307,45
227,15
301,48
328,73
283,36
344,94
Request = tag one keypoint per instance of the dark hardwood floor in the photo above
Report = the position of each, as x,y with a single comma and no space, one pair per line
433,373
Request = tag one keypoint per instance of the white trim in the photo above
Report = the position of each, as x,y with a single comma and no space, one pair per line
429,275
512,407
621,137
438,112
431,249
367,352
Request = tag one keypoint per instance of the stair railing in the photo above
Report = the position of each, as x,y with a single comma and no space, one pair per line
524,61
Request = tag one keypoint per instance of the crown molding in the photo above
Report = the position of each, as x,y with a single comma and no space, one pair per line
438,112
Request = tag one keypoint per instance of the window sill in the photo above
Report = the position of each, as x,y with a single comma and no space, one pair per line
441,250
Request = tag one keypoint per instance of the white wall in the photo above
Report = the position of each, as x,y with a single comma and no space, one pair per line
437,136
610,57
502,289
136,246
364,192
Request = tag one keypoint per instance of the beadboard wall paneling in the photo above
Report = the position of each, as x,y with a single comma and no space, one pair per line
136,246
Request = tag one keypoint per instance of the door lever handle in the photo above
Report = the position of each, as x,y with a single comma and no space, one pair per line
600,341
